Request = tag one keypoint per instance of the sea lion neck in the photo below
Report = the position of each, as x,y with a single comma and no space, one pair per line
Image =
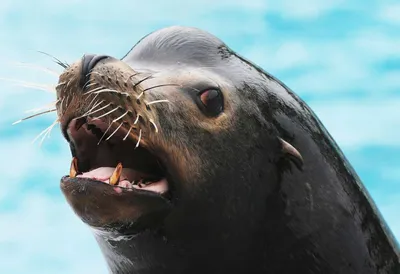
144,253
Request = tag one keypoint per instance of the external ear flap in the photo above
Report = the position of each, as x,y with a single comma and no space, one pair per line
292,153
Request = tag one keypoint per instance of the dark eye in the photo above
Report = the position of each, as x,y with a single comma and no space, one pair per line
212,102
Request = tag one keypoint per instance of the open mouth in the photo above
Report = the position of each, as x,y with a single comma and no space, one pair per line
114,156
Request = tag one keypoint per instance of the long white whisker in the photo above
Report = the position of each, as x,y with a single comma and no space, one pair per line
162,85
91,84
93,90
45,132
34,115
105,114
30,85
94,72
140,137
120,117
115,131
44,88
97,103
42,108
154,125
68,83
41,133
140,95
129,131
61,105
60,84
137,119
157,101
67,102
111,91
115,120
93,101
97,110
33,66
105,132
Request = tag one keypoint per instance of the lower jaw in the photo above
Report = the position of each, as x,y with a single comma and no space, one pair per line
110,208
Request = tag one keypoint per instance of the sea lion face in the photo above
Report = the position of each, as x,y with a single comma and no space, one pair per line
172,138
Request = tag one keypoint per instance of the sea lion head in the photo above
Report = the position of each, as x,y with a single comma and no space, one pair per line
176,148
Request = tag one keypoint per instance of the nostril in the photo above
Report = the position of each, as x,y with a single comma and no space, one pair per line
88,63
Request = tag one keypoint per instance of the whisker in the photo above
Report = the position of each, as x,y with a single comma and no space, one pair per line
114,121
94,72
115,131
68,83
105,114
163,85
105,132
61,105
93,100
42,108
33,66
29,85
67,102
44,88
91,72
122,116
133,75
157,101
136,74
141,81
154,125
45,132
91,84
93,90
140,137
140,95
97,110
60,84
56,60
34,115
129,131
137,119
96,104
111,91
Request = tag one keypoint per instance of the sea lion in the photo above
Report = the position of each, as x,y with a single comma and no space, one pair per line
188,158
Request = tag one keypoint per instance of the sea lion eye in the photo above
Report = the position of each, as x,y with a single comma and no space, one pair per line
212,101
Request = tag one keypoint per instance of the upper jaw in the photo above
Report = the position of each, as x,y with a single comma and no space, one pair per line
134,136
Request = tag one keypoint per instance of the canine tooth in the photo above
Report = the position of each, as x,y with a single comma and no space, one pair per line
114,179
73,171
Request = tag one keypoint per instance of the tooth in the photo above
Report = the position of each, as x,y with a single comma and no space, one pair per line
114,179
73,171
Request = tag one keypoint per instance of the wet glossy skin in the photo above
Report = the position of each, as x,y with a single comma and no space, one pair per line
251,210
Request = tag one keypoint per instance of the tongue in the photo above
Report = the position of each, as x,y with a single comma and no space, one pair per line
128,176
104,173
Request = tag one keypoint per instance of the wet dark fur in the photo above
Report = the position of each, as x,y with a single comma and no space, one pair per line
244,207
